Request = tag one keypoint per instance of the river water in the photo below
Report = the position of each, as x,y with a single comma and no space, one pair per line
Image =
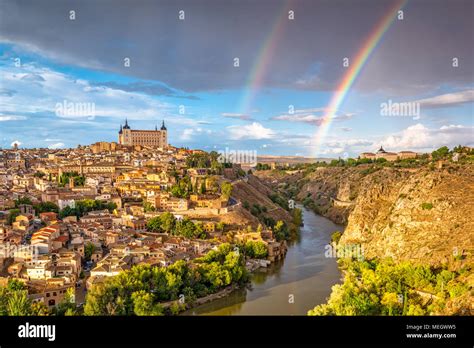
290,287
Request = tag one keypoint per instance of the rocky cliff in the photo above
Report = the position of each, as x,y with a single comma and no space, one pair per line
419,214
253,191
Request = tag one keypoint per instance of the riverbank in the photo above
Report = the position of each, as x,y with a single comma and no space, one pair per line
289,287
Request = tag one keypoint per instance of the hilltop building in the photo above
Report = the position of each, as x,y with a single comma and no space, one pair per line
151,138
389,156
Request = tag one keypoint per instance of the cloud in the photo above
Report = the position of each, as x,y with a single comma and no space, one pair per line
421,138
334,147
244,117
5,118
150,88
250,131
182,55
447,100
417,137
137,86
345,129
311,118
56,146
16,142
7,92
57,88
32,77
189,133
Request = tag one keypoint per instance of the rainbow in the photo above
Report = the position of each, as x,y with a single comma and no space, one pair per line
356,66
257,73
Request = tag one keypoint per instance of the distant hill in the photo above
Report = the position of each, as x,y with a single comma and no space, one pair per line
291,159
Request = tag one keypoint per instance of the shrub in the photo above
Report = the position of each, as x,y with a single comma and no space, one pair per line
427,206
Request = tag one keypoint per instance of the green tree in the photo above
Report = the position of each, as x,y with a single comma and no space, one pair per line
89,250
167,222
143,304
13,213
18,303
46,207
67,211
281,230
15,285
226,190
220,226
22,200
68,304
147,207
256,249
185,228
154,224
202,189
441,153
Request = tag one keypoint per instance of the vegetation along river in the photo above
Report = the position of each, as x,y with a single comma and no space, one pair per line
290,287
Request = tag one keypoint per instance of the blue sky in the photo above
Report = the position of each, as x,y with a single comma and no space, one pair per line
185,76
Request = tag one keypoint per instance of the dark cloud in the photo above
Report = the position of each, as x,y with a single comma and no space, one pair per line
143,87
149,88
243,117
197,54
6,92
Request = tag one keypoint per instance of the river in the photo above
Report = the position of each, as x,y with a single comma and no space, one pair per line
290,287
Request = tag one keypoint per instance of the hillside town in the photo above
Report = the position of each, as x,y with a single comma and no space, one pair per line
71,218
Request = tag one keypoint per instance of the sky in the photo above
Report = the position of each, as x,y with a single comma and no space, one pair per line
242,75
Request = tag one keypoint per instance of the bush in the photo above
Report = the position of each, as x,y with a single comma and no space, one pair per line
426,206
257,250
336,236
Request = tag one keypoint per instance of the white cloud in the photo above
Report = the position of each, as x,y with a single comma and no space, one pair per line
310,116
5,118
421,138
189,133
342,146
449,99
17,142
56,146
43,89
250,131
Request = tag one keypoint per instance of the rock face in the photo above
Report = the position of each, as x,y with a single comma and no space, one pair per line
418,214
254,191
333,191
422,215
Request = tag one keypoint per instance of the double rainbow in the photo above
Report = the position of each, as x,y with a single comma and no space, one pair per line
258,71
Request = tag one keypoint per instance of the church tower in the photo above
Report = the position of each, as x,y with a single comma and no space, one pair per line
125,134
164,135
